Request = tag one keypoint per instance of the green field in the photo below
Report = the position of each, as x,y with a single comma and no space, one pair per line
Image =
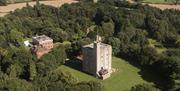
123,79
159,1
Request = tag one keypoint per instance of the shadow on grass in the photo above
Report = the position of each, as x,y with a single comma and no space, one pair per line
74,64
147,74
153,77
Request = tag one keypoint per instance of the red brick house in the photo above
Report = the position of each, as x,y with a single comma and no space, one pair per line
41,45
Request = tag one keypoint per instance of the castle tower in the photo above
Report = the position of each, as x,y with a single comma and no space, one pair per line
97,58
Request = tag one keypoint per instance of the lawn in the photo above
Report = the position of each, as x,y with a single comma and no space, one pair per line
124,78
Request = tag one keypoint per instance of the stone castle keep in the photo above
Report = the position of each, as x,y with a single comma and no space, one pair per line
97,59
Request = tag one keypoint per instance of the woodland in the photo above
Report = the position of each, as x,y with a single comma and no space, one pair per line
127,27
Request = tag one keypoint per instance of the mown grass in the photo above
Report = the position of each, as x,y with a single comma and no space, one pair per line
124,78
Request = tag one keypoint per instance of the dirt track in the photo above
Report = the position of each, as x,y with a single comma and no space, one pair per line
11,7
162,6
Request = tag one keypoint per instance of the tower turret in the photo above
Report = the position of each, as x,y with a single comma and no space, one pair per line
95,1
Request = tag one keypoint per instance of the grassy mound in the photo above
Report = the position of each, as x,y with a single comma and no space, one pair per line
124,78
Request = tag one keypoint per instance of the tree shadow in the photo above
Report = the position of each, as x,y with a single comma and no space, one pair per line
74,64
152,77
147,73
131,61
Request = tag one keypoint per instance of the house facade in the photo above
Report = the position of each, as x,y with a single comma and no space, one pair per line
41,45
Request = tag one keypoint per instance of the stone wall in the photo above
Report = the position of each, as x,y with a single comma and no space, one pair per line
97,56
89,62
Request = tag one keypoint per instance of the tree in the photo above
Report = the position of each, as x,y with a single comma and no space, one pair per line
3,53
3,2
52,60
59,35
168,68
56,80
14,71
86,86
15,85
3,41
107,29
176,1
148,56
15,37
32,70
125,26
115,43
